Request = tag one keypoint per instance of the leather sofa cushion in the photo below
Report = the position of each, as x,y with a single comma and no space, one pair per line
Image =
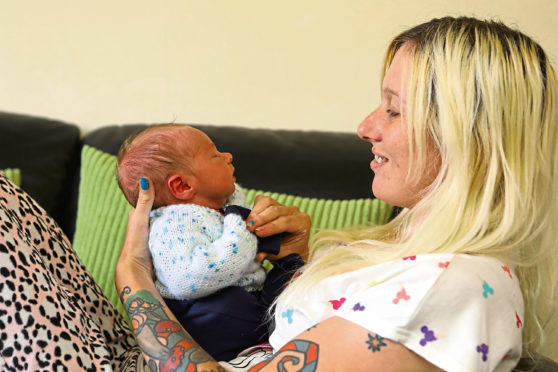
47,154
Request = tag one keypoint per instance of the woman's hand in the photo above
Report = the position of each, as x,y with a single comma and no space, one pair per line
135,257
268,217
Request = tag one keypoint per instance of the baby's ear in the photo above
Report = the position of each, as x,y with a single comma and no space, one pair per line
180,187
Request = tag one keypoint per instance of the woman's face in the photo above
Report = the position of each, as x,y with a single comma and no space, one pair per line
385,129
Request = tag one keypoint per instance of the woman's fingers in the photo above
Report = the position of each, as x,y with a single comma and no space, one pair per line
278,219
145,197
135,248
265,212
268,217
137,230
261,203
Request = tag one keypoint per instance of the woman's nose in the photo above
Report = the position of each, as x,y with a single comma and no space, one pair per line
368,128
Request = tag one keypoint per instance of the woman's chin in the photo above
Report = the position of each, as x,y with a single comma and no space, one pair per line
388,197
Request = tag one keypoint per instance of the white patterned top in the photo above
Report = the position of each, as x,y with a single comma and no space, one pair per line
460,312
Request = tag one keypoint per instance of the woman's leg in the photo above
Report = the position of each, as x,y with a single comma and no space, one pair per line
52,313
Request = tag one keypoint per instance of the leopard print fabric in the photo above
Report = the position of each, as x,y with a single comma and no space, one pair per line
53,316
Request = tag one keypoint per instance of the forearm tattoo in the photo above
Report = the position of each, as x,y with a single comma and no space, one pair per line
163,340
297,355
169,348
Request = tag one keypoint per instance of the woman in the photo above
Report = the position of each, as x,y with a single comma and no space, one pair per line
465,140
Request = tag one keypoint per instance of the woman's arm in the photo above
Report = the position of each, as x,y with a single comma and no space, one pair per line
334,344
337,344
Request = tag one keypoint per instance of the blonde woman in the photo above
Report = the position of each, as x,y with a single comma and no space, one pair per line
465,140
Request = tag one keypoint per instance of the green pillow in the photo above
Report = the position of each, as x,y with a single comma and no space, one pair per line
14,174
101,219
103,212
332,214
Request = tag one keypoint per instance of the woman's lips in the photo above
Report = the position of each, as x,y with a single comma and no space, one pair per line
379,161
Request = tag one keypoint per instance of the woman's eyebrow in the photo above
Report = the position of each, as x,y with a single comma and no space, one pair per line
386,91
389,91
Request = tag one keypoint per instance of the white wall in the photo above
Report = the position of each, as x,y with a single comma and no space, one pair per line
295,64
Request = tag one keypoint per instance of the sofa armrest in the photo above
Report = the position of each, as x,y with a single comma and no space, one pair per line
47,154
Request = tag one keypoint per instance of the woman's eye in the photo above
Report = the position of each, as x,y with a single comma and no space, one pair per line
392,113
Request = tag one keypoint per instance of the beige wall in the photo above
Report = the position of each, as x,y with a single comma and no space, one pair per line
294,64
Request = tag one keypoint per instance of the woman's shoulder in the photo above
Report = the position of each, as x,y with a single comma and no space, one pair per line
482,276
406,286
470,272
434,275
448,308
468,268
466,265
468,307
458,286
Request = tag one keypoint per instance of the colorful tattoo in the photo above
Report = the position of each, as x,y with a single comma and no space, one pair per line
299,355
163,339
375,342
171,349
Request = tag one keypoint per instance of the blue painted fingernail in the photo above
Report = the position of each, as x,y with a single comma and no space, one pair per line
144,183
251,222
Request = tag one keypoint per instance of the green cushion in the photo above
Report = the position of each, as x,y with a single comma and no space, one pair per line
332,214
14,174
103,211
101,219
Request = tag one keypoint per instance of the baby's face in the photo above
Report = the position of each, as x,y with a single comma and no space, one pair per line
213,170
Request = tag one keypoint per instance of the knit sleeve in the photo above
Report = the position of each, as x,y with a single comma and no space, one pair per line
195,255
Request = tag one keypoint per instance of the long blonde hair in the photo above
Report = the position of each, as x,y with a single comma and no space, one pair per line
486,97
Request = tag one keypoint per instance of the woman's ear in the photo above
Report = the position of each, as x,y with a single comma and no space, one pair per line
180,187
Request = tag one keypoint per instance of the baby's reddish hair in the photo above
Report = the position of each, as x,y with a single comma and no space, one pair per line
151,153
